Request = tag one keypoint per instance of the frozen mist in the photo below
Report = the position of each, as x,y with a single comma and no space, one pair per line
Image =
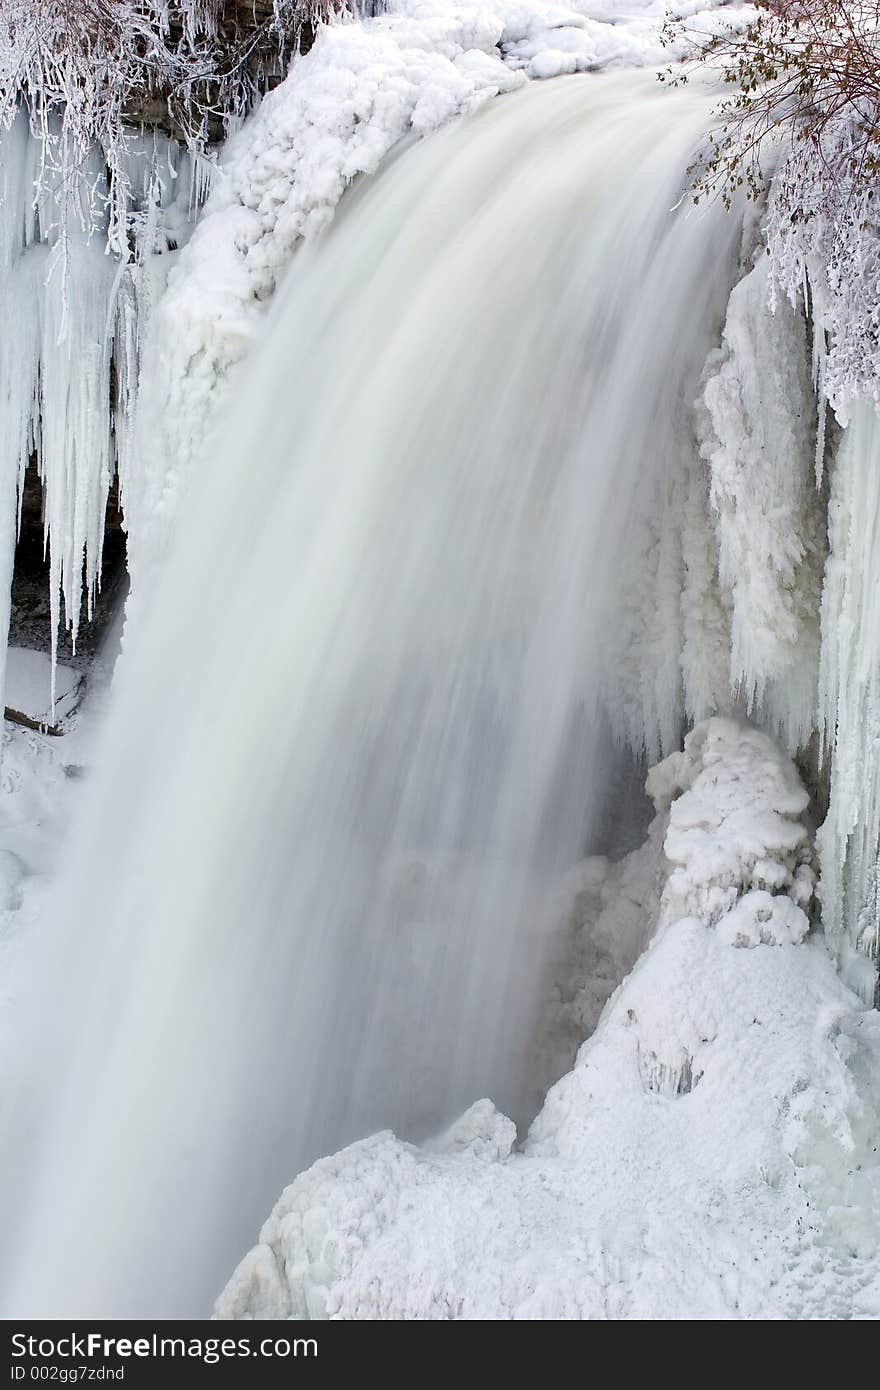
367,700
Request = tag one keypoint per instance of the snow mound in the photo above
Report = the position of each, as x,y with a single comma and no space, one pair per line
735,822
699,1160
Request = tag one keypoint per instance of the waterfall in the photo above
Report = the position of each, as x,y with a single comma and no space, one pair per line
364,729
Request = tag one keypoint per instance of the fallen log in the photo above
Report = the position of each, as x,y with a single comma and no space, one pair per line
15,716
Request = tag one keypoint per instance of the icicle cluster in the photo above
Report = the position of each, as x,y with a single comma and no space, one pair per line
823,235
79,313
849,699
195,66
723,614
758,439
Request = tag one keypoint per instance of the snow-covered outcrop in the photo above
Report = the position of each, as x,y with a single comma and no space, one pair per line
710,1155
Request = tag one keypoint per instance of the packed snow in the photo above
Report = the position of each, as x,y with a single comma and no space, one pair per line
712,1154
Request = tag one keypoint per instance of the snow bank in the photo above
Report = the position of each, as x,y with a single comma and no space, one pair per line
699,1160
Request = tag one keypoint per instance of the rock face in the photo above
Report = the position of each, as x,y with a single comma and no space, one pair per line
249,40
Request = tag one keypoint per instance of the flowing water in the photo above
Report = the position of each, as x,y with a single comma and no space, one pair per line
361,735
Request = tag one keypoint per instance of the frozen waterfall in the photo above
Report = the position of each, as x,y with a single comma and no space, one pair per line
368,721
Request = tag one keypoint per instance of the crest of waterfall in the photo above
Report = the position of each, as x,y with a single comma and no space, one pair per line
369,691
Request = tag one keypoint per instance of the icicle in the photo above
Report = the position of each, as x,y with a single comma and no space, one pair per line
18,350
849,698
78,298
820,356
54,372
75,456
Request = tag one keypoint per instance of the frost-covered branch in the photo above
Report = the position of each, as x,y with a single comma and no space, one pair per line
804,80
796,69
84,68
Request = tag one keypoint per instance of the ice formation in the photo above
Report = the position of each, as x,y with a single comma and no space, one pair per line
369,697
849,707
688,1167
759,444
78,313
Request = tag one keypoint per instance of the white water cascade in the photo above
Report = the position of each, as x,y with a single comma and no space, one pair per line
362,732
